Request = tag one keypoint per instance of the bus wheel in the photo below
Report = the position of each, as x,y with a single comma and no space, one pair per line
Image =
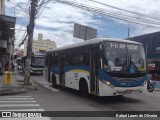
54,84
83,87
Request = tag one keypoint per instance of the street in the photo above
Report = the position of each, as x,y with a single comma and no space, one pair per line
65,99
47,98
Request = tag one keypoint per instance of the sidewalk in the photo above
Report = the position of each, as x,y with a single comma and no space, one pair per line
17,85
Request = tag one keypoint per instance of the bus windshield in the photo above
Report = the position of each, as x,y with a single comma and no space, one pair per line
124,58
38,61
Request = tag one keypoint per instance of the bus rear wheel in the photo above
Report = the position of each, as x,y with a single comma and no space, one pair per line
83,88
54,84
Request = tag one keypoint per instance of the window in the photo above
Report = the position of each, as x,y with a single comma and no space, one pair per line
78,56
54,61
70,54
83,55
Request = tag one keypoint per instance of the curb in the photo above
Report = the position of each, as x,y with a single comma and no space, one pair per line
12,91
20,89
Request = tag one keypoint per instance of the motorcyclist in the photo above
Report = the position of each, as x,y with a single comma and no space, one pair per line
150,86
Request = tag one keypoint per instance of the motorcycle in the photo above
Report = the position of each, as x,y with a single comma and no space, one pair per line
150,86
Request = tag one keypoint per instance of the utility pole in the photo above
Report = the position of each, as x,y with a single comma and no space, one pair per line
128,30
30,31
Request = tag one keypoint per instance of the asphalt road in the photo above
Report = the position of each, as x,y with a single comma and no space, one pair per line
63,99
47,98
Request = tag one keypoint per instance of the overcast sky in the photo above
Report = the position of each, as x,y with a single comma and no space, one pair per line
56,21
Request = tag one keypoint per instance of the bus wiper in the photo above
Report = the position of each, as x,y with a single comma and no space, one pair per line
132,63
125,67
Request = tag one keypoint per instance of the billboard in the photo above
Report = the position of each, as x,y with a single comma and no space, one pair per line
84,32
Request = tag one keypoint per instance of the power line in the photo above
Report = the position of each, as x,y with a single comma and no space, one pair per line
128,11
103,12
148,20
17,5
40,9
151,19
25,16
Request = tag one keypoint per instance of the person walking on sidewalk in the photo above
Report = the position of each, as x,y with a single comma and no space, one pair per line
12,66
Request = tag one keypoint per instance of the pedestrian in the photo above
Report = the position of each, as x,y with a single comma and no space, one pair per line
12,66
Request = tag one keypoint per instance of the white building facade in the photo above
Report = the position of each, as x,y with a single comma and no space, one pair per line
40,45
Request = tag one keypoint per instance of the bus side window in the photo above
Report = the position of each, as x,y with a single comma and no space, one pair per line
54,59
82,56
70,54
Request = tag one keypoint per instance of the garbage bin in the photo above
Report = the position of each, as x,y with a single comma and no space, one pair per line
7,78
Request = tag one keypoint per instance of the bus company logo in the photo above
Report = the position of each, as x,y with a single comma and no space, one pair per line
6,114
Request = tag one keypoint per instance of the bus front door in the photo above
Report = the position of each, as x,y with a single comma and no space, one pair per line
94,67
61,75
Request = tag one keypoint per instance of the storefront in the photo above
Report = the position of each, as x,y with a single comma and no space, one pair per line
7,32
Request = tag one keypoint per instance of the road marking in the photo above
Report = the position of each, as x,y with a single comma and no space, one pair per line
10,98
50,88
18,105
24,110
15,101
15,96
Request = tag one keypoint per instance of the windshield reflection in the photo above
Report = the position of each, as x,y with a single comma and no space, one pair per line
38,61
124,58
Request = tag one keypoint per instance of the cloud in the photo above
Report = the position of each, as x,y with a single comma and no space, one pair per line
56,20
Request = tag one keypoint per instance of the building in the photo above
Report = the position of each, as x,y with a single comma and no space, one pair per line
40,45
6,34
151,43
2,8
20,53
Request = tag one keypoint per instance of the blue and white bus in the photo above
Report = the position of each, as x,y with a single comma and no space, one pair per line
100,66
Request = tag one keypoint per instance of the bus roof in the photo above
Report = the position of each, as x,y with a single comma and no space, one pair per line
92,41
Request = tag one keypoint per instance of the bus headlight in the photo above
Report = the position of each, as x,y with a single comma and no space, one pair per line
108,83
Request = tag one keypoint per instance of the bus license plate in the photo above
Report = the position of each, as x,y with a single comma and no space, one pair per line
128,91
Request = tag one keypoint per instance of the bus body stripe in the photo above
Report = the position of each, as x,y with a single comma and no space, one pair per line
79,71
104,76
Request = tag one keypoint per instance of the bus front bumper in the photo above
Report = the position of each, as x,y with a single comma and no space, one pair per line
37,71
105,90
